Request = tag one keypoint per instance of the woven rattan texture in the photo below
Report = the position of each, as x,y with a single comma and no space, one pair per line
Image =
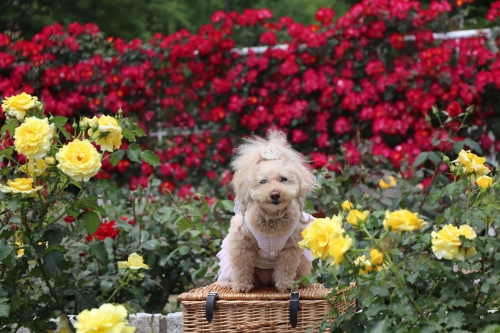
262,310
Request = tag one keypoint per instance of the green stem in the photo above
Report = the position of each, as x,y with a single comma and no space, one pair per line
121,286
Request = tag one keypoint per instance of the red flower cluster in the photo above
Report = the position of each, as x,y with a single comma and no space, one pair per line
375,72
106,229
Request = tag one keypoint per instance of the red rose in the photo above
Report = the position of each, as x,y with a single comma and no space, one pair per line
454,110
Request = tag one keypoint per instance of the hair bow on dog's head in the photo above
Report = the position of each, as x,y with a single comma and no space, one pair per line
269,153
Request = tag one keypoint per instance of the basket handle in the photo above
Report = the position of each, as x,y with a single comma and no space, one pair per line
294,308
210,306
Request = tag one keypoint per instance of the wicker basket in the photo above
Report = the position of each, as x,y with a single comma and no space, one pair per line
261,310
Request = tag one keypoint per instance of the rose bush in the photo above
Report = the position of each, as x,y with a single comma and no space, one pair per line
373,73
425,256
49,204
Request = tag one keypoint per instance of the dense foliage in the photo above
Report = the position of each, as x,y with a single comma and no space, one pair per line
330,85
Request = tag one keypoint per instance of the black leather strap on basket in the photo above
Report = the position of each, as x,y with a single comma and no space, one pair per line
210,307
294,308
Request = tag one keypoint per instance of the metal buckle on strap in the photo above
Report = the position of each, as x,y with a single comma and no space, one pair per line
210,307
294,308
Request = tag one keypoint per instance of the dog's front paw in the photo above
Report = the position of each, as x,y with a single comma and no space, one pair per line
284,286
241,287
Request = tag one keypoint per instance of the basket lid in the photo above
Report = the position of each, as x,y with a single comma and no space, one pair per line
310,292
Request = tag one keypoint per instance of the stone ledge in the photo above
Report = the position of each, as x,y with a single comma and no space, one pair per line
146,323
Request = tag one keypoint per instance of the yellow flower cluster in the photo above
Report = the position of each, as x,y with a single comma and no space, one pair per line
325,239
105,131
355,216
79,159
402,220
446,243
108,318
20,186
474,166
16,106
33,137
375,263
384,185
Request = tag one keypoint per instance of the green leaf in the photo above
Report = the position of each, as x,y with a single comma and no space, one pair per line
116,157
63,131
4,307
184,249
128,134
91,222
99,250
473,145
52,262
151,158
379,327
86,300
5,251
54,236
435,158
422,157
228,205
90,202
59,121
184,224
495,328
134,152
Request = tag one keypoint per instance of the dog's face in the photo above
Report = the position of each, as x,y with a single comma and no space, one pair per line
273,185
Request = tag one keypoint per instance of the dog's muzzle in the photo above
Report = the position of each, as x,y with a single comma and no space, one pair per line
275,197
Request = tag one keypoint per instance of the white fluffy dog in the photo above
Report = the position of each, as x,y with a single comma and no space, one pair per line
271,182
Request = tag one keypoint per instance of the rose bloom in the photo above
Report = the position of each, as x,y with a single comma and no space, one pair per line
105,230
20,186
402,220
472,163
346,206
32,138
446,243
108,318
356,216
338,247
484,182
16,106
106,124
319,234
35,168
134,261
383,184
362,262
376,257
79,159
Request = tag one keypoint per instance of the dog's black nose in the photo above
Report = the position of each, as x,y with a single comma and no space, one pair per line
275,195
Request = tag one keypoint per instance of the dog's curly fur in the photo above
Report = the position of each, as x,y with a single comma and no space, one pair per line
268,190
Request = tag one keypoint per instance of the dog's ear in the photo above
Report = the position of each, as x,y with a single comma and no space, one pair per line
241,186
307,180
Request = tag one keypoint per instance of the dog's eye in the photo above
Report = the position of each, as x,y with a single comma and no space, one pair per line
263,181
283,179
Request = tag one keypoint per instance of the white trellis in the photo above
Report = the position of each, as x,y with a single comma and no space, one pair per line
161,132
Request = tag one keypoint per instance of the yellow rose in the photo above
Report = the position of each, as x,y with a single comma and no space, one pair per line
35,168
20,186
79,159
20,253
135,261
472,163
402,220
376,257
366,265
484,182
32,138
446,243
16,106
346,206
318,235
383,184
108,134
108,318
356,216
338,247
